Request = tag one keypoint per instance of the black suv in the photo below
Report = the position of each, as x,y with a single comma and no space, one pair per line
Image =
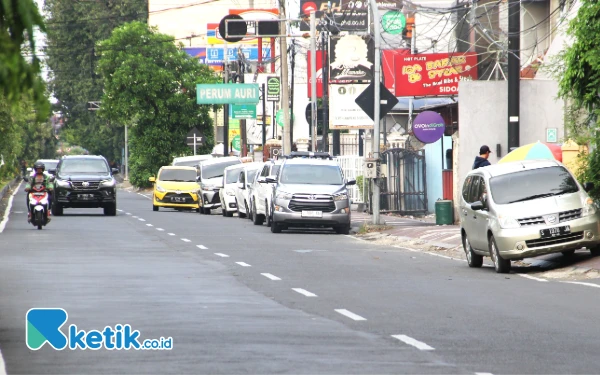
85,181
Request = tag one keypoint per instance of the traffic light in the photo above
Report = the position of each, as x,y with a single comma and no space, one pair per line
410,27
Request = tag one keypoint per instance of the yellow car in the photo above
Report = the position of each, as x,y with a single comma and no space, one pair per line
175,187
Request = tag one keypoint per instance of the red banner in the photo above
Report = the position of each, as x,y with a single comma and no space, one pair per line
432,74
319,69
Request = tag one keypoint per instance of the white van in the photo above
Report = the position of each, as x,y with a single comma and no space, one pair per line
227,191
191,161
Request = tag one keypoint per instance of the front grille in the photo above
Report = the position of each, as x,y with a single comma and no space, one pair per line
312,202
569,215
187,198
575,236
534,220
81,185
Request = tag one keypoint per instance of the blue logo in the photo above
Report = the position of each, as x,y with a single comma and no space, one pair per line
44,326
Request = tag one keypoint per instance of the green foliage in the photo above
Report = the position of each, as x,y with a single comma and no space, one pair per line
364,194
20,73
150,84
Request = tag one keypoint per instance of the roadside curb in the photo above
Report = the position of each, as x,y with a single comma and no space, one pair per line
8,187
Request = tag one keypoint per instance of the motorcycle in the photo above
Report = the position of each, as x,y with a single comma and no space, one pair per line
38,206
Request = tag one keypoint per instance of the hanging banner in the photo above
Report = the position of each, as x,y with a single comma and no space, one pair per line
351,59
344,113
319,73
432,74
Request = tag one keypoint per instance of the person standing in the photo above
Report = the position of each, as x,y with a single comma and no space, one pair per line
482,159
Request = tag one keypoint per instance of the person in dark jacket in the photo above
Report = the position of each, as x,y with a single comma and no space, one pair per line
482,159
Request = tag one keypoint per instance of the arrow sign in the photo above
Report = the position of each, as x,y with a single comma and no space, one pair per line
195,138
367,98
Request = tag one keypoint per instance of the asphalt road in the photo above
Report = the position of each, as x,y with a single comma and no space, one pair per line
236,299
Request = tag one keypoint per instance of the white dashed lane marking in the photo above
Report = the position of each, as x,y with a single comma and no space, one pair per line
140,219
149,225
410,341
202,247
304,292
186,240
269,276
349,314
159,229
171,234
222,255
243,264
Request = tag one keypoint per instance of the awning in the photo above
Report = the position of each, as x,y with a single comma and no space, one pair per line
422,104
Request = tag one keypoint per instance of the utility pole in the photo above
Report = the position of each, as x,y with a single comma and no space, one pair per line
324,98
285,98
225,106
376,109
514,72
292,90
313,83
126,156
264,116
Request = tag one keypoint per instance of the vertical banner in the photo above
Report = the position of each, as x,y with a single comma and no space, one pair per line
319,73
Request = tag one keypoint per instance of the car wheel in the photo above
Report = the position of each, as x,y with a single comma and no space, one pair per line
223,211
568,253
154,208
474,260
595,251
228,213
342,229
256,218
500,264
206,211
275,228
110,210
57,209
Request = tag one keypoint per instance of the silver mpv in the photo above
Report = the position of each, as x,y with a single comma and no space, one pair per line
524,209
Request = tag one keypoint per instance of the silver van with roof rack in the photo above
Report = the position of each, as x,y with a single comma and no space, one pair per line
525,209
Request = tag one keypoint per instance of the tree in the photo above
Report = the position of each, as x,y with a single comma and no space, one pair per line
150,83
18,74
73,29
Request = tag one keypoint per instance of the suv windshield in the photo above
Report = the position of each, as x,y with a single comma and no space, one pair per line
532,184
311,174
216,170
50,164
232,175
181,175
70,166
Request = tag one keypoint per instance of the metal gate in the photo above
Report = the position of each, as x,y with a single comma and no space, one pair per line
404,190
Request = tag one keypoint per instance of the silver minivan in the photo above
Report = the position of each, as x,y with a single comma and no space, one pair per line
524,209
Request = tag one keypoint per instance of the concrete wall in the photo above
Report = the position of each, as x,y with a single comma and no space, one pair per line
483,118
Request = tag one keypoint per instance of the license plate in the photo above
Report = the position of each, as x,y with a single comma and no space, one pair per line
177,199
85,197
555,232
312,214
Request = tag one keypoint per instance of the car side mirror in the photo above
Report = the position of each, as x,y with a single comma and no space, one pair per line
115,171
261,180
152,179
477,206
271,179
350,182
240,185
588,186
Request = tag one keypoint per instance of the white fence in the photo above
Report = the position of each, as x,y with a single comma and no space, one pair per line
352,167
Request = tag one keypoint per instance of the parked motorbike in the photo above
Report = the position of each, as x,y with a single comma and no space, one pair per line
39,205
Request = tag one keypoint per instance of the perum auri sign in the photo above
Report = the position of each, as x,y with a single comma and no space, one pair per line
227,93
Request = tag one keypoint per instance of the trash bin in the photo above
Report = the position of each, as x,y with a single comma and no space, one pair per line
444,213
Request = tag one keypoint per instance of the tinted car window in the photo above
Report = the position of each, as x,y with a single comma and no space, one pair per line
275,169
311,174
466,187
532,184
216,170
251,175
232,176
190,163
50,164
184,175
70,166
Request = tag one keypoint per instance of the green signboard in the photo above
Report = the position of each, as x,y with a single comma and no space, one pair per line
243,111
279,117
393,22
236,143
273,89
227,93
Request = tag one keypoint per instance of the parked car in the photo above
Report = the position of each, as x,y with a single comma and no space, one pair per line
525,209
50,165
310,191
84,181
190,161
244,185
211,179
262,191
227,192
175,187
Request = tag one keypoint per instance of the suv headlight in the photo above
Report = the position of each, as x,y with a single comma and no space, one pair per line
108,183
160,189
62,183
589,208
508,222
340,197
283,195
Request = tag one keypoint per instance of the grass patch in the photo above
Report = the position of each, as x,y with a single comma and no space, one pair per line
371,228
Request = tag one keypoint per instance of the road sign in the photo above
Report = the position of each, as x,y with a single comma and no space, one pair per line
244,111
236,143
194,139
236,31
393,22
273,89
227,93
551,135
279,117
366,101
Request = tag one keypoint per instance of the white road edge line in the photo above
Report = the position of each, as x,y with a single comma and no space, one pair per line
171,234
269,276
186,240
202,247
582,283
410,341
533,278
304,292
222,255
159,229
349,314
5,220
243,264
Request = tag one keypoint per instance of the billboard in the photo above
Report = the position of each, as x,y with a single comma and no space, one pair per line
346,15
432,74
216,56
344,113
199,53
351,59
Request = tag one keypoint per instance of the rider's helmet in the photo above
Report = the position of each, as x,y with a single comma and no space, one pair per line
39,165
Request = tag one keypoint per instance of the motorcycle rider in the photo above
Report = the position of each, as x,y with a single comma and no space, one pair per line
39,176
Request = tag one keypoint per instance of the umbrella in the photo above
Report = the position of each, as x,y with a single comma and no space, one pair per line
531,151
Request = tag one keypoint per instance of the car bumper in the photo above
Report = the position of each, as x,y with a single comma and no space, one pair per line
526,242
169,199
211,199
86,199
283,215
229,202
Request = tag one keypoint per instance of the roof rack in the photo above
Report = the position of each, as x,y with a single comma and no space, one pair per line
308,155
